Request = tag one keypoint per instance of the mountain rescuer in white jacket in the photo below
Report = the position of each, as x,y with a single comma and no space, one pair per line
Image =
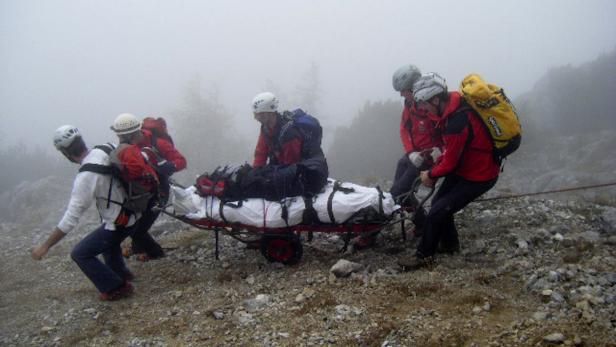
111,278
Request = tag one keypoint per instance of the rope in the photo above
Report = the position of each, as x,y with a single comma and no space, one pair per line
548,192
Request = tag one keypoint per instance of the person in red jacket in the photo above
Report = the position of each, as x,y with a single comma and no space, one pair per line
467,165
163,161
290,145
420,138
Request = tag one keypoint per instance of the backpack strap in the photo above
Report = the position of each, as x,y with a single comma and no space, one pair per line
96,168
468,108
103,170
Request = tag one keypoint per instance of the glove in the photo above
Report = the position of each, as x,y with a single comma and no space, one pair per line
165,168
436,153
430,156
416,158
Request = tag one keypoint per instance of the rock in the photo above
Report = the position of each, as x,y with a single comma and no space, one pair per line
243,318
300,298
47,329
553,276
256,304
577,341
218,315
608,217
344,268
591,236
480,245
596,300
342,312
308,292
554,338
477,310
572,256
610,277
540,316
177,294
522,245
250,280
583,305
540,284
558,237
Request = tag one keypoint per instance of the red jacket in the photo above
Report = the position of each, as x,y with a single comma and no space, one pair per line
468,149
283,150
417,131
165,149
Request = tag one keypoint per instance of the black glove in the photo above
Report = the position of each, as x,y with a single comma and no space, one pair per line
165,168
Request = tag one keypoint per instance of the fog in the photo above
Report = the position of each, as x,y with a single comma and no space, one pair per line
84,62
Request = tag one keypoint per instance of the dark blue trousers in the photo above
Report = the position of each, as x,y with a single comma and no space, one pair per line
109,275
143,242
453,195
406,173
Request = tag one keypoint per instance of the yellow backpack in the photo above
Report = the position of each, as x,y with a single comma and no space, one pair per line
497,113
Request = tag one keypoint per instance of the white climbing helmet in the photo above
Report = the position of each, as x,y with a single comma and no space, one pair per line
126,123
265,102
428,86
64,136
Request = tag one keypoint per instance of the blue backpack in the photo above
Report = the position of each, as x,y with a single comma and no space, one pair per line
308,126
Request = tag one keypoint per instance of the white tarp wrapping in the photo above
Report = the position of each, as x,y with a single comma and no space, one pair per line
344,205
269,214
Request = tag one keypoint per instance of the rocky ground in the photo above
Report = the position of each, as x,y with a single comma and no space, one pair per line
531,273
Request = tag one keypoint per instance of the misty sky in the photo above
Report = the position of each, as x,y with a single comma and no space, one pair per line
83,62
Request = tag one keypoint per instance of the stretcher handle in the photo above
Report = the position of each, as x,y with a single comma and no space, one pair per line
416,185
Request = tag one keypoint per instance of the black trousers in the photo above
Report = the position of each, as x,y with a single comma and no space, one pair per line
406,173
454,194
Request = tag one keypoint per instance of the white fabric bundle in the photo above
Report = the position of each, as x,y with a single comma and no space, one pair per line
269,214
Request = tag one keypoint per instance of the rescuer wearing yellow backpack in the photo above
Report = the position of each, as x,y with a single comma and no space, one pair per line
479,127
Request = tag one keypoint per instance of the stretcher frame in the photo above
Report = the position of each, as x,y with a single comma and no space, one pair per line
284,244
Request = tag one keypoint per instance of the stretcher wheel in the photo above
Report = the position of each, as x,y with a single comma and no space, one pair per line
286,249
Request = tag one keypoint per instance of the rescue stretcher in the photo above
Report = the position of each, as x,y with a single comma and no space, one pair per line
345,208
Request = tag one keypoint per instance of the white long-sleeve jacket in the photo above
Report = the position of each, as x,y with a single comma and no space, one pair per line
90,186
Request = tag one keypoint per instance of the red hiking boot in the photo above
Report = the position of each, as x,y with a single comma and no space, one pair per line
119,293
143,257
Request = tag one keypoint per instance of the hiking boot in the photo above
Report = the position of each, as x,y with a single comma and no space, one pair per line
415,263
363,242
144,257
124,291
128,276
450,250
